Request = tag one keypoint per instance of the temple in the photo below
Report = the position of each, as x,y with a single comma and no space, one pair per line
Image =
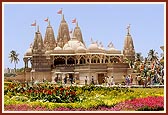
53,59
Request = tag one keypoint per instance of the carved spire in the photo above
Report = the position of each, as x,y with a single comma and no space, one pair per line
78,34
63,33
49,40
38,45
129,51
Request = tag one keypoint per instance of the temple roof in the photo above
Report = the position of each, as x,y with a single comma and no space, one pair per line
38,41
49,40
63,33
78,34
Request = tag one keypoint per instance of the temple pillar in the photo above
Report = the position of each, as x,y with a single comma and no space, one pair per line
66,60
26,62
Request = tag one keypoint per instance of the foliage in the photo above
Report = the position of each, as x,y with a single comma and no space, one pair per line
138,57
13,56
152,55
44,92
20,70
9,74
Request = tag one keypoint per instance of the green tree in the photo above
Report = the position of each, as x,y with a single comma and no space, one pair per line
138,57
13,56
152,55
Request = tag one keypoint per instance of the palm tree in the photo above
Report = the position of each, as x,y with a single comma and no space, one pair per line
138,57
152,55
14,57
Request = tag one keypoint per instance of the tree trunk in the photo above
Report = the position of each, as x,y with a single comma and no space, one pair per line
15,67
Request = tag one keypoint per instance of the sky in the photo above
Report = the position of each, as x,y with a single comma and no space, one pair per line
103,22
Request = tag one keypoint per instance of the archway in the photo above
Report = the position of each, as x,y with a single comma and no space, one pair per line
82,60
59,61
70,61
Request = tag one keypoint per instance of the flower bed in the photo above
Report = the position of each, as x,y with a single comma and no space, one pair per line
22,97
45,93
140,104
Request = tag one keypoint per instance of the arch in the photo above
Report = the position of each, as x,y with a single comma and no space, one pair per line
95,59
70,61
106,60
114,60
82,60
59,61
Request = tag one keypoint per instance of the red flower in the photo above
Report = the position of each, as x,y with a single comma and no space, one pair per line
67,93
49,92
56,88
62,89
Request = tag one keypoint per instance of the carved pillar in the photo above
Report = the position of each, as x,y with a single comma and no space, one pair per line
108,59
66,60
31,62
90,60
26,62
78,59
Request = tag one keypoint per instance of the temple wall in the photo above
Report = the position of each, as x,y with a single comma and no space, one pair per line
82,76
38,76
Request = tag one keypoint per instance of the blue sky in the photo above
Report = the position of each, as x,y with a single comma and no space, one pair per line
102,22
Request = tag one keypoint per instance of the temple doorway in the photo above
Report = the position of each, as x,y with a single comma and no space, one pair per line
101,78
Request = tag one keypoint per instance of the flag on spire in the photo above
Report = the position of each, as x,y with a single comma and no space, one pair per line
33,24
46,20
110,44
74,20
60,11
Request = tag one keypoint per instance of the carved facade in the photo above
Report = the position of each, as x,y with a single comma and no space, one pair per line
54,59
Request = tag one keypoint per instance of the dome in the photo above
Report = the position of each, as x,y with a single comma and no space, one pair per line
101,47
29,51
93,46
68,48
112,49
81,49
73,43
57,48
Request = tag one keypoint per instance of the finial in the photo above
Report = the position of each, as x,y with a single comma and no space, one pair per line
63,17
49,22
76,24
91,40
128,28
38,28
